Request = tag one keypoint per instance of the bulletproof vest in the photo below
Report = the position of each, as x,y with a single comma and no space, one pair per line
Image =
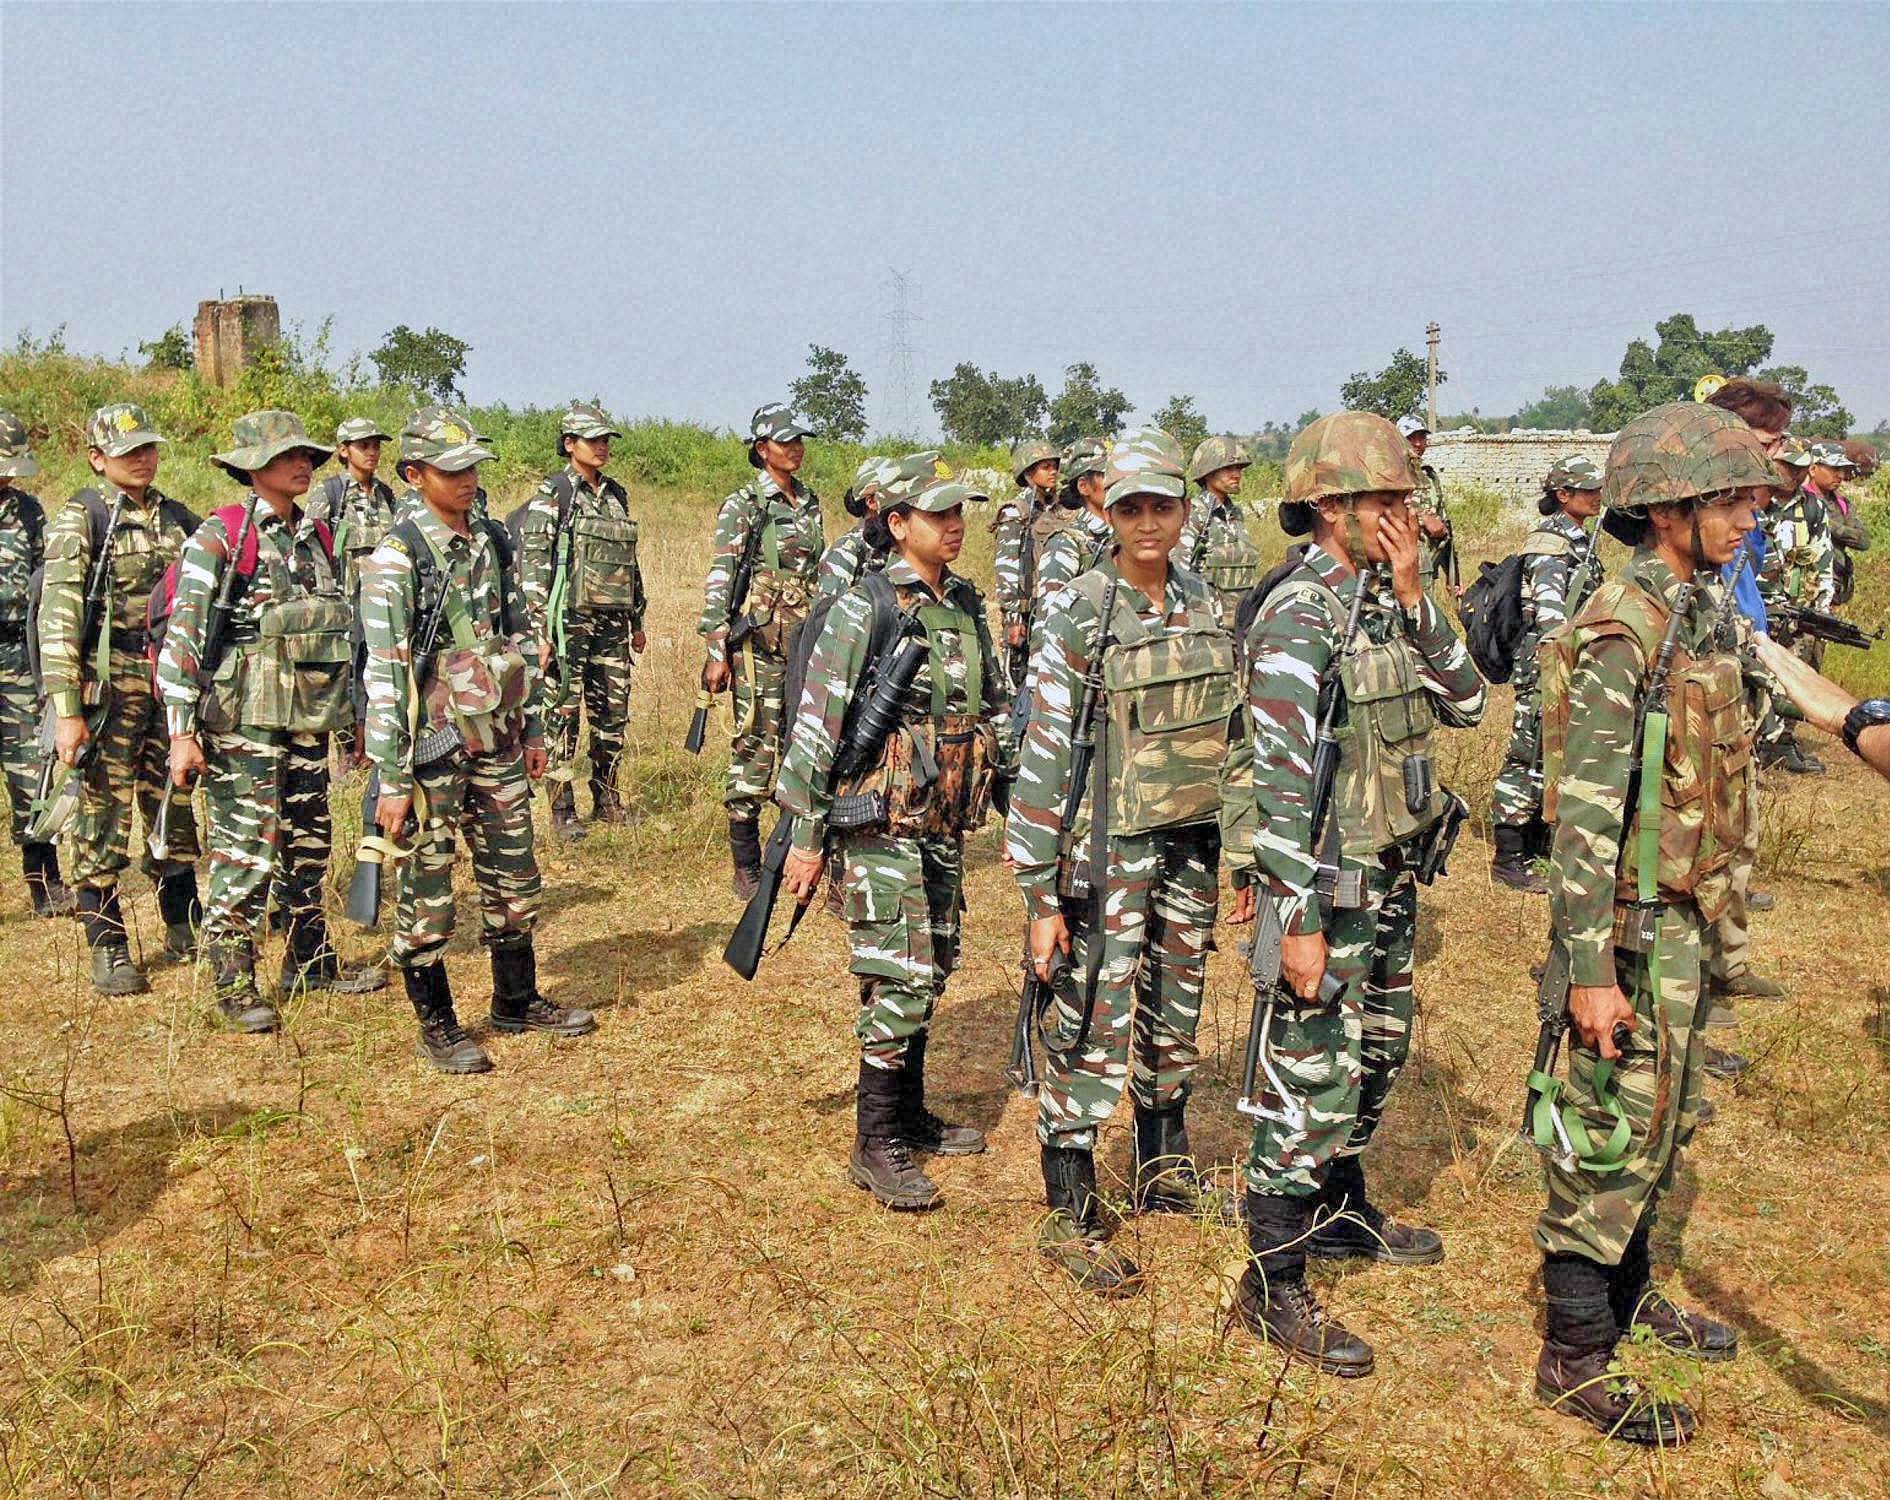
479,681
603,556
361,517
787,565
1706,779
1226,556
141,551
287,665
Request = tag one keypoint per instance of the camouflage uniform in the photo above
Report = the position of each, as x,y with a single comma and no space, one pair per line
1021,529
132,761
601,606
357,516
846,562
1800,562
1080,545
787,560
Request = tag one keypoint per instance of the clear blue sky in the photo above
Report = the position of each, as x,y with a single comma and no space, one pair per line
665,205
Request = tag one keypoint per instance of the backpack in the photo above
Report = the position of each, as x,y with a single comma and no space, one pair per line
1492,613
561,487
887,626
157,608
1248,610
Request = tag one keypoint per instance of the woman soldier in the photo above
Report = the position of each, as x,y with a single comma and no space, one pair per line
850,558
897,806
1134,661
1560,571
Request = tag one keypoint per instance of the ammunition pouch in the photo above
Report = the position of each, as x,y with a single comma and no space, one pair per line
603,562
776,603
480,691
288,672
933,780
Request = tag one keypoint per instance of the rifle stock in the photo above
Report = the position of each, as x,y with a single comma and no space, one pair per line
698,733
745,944
364,891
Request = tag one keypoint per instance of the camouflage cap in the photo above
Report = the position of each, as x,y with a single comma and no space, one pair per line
1026,456
1831,456
264,435
778,423
16,458
1682,451
1412,425
116,430
1575,472
938,495
871,477
581,419
442,438
1143,461
908,476
360,430
1794,451
1213,454
1084,456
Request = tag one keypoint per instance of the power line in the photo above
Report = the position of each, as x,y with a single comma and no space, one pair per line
899,320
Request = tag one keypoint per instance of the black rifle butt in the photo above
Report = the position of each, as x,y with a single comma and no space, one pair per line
698,733
364,891
745,944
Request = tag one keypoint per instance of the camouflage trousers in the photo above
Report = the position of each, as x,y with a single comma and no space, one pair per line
901,898
1728,942
1341,1059
132,764
597,677
754,757
1516,796
267,796
489,799
1657,1082
19,745
1163,891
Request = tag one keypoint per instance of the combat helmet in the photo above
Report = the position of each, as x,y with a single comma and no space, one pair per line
1027,455
1215,453
1084,456
1346,453
1680,452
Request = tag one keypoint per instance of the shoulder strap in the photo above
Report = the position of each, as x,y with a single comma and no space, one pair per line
180,515
566,493
97,518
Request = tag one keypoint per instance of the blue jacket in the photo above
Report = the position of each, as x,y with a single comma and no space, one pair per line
1746,590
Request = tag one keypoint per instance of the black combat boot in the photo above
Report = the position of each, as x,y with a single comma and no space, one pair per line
1076,1234
233,976
744,846
1345,1223
919,1128
1638,1305
606,801
182,912
49,894
1575,1372
443,1041
1511,864
1273,1300
564,815
309,962
880,1162
516,1004
113,972
1748,985
1164,1178
1720,1063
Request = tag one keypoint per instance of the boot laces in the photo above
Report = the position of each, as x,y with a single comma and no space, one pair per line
446,1028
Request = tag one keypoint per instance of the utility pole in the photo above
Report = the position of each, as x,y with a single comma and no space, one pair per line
900,320
1431,333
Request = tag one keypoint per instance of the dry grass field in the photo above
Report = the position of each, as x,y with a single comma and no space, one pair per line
633,1265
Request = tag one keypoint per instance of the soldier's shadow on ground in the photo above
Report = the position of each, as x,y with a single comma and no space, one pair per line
971,1043
617,967
121,1173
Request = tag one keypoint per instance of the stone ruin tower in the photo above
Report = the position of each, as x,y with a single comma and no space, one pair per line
228,333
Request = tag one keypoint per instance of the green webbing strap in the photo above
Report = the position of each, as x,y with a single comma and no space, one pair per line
937,617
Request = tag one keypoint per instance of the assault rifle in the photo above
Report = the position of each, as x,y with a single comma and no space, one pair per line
738,628
883,698
57,796
1800,619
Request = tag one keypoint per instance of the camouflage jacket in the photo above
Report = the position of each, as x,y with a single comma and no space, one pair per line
847,561
22,550
835,668
1078,547
147,540
291,563
387,618
1600,753
792,541
1021,531
357,517
1217,544
1800,560
1551,553
1289,649
1071,630
539,536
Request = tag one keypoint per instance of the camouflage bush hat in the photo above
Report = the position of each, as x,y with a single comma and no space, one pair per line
1682,451
1143,461
1026,456
1084,456
777,423
583,420
1346,453
872,475
1211,455
116,430
360,430
16,457
442,438
264,435
1831,456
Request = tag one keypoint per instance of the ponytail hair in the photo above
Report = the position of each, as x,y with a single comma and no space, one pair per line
1548,505
877,533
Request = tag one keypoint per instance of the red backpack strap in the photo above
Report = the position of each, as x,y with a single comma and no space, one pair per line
327,536
232,518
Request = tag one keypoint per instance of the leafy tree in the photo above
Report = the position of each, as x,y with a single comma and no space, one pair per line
980,409
1561,406
1304,420
1182,422
1651,376
1395,391
832,396
1084,407
432,363
170,350
1816,410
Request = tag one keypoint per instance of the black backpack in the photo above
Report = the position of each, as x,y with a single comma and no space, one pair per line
888,625
1492,613
1248,610
511,617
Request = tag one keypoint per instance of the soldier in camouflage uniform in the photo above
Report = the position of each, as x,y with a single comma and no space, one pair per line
1348,908
1630,897
1021,529
458,749
774,524
585,591
22,550
355,505
133,755
1553,554
898,823
1080,543
853,556
1778,743
1134,658
256,717
1437,547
